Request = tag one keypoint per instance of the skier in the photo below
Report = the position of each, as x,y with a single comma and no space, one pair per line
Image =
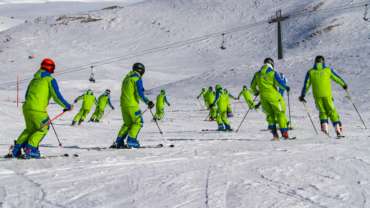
161,100
319,77
210,97
88,100
222,101
132,91
247,94
39,90
103,101
265,83
203,93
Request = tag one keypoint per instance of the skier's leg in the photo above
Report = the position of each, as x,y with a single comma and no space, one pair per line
219,121
213,113
94,115
39,119
320,105
122,134
270,118
100,115
78,116
137,124
279,109
84,115
23,138
225,120
333,115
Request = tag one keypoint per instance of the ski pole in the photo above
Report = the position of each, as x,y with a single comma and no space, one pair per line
51,120
245,116
309,116
290,116
355,107
200,103
156,122
56,135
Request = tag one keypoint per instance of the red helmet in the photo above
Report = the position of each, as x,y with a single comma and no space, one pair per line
48,65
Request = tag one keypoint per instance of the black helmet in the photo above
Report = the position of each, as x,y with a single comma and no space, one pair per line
269,61
245,86
107,91
320,59
139,67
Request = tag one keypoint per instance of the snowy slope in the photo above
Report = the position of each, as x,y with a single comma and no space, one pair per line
204,169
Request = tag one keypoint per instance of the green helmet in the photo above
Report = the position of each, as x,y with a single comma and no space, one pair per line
163,91
89,92
218,87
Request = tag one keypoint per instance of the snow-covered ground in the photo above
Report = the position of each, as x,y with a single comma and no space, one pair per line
212,169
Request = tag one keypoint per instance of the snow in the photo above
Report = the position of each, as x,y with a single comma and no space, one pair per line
211,169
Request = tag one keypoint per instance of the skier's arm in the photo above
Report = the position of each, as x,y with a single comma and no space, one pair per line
140,91
306,85
78,98
241,92
336,78
201,93
280,82
232,96
57,96
166,101
109,103
254,84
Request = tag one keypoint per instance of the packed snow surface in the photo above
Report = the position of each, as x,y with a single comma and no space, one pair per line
204,169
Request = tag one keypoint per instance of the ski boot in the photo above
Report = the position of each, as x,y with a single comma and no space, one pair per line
325,128
31,152
285,134
221,127
79,123
73,123
132,143
228,128
118,144
338,130
275,135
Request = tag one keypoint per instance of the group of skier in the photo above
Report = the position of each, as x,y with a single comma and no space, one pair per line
88,101
267,83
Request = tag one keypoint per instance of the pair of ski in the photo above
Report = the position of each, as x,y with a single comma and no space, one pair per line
23,157
156,146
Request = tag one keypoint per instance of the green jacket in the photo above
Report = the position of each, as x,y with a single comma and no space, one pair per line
103,100
266,82
88,100
132,90
41,88
247,94
222,99
320,78
210,96
161,100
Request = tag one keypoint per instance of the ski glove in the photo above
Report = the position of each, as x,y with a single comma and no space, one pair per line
257,105
301,99
345,87
287,88
68,109
150,105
